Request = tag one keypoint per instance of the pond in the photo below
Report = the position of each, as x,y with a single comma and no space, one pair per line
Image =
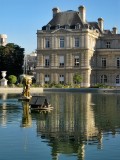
82,126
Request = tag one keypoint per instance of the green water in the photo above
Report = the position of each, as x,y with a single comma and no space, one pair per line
82,126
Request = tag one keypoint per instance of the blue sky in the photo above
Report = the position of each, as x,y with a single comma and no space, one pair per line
20,19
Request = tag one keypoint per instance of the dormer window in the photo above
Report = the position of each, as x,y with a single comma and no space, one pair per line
67,26
58,26
48,27
77,26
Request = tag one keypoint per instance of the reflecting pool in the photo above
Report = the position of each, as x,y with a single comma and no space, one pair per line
82,126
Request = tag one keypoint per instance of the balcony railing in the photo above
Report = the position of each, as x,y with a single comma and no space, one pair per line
63,67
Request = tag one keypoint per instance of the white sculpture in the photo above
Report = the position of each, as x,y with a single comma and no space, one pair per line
3,80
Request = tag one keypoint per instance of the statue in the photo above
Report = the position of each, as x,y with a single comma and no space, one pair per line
27,81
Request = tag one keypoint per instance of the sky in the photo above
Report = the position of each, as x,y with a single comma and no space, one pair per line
20,19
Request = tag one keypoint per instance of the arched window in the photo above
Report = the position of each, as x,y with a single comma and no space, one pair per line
103,79
117,79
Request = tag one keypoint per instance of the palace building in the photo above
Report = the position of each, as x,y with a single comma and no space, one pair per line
70,44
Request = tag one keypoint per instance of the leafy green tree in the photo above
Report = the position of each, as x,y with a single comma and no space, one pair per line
12,79
77,79
11,59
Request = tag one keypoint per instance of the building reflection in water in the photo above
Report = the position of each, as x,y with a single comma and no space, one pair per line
3,117
70,126
77,120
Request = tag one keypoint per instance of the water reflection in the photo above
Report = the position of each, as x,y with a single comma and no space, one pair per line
69,127
26,117
8,107
77,120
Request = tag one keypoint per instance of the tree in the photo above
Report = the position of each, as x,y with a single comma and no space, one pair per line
12,79
11,59
77,79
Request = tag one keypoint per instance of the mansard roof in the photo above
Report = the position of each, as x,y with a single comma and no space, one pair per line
63,18
70,18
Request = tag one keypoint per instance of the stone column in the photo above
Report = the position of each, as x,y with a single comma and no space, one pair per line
56,78
56,63
67,78
41,60
71,60
52,78
67,60
70,78
86,79
82,41
70,42
86,41
67,42
82,63
41,46
41,78
52,60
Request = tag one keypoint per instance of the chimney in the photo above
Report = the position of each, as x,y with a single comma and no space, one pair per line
82,13
55,10
114,30
100,24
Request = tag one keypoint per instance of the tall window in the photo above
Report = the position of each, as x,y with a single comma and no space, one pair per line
104,62
47,78
117,79
47,43
61,42
77,42
61,61
47,61
61,79
103,79
118,62
76,61
108,45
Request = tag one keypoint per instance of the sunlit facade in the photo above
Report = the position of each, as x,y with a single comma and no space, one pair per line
70,44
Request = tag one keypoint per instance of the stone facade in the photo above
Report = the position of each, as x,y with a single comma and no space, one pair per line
69,44
30,61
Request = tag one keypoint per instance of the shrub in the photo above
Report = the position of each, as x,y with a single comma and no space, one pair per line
12,79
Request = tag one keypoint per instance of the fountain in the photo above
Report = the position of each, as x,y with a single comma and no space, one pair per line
3,80
27,81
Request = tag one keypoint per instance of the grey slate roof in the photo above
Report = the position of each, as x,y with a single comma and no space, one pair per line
63,18
71,18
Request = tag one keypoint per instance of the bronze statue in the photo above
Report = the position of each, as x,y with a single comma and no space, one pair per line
27,81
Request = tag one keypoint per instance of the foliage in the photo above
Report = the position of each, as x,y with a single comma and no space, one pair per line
59,85
11,59
77,79
12,79
100,85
